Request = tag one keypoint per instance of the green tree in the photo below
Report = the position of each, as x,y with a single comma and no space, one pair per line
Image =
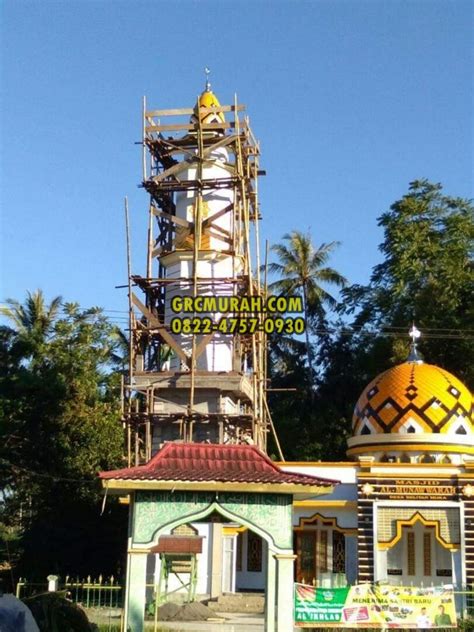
32,322
304,272
59,426
290,401
426,277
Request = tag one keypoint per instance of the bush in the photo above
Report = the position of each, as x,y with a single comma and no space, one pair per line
466,625
53,613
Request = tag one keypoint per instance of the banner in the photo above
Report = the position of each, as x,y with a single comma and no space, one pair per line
368,606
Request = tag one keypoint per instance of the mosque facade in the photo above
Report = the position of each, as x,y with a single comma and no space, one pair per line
403,511
399,512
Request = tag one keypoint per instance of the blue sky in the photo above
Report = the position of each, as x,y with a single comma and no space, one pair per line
351,100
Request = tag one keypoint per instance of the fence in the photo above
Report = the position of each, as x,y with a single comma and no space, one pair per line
109,593
91,593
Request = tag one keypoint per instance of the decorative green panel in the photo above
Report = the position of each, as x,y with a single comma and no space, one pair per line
269,513
153,510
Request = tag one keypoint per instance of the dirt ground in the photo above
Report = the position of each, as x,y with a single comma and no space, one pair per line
222,622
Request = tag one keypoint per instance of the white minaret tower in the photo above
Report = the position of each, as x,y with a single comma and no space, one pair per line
216,260
200,167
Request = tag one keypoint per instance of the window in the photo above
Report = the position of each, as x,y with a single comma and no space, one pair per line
254,552
411,560
305,548
312,550
322,554
427,554
338,552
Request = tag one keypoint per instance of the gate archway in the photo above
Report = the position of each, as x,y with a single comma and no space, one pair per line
267,514
241,484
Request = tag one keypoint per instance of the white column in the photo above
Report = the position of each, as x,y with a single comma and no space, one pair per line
270,592
228,563
216,561
135,595
285,599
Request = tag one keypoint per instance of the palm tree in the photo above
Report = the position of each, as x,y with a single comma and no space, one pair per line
303,272
33,320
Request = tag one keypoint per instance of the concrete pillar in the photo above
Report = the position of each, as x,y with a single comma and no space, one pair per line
270,593
216,560
285,599
229,548
135,591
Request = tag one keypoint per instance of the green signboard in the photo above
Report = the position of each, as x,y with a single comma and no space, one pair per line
375,606
322,605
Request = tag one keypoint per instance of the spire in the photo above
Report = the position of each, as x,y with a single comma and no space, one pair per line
414,355
207,99
208,83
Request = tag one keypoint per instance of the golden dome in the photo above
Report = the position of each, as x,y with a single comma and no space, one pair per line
414,397
411,410
208,99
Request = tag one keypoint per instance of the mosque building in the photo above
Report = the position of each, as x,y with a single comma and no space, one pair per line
404,511
210,513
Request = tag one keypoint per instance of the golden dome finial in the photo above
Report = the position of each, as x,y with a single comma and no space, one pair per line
208,83
414,355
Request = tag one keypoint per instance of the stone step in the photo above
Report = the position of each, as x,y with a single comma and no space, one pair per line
239,602
227,599
237,608
241,593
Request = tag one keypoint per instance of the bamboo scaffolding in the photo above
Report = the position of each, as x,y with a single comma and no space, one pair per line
148,405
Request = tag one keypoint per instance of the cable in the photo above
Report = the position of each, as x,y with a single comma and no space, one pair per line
354,327
49,476
434,333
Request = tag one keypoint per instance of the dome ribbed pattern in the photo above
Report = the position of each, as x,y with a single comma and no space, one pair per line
415,398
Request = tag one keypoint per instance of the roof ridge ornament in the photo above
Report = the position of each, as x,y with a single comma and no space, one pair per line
414,355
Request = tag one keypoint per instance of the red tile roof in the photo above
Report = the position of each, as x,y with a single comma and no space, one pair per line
201,462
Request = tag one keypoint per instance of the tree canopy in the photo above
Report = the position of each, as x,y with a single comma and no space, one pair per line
59,425
426,276
303,271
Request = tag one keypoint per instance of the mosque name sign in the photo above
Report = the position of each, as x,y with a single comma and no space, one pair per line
417,489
